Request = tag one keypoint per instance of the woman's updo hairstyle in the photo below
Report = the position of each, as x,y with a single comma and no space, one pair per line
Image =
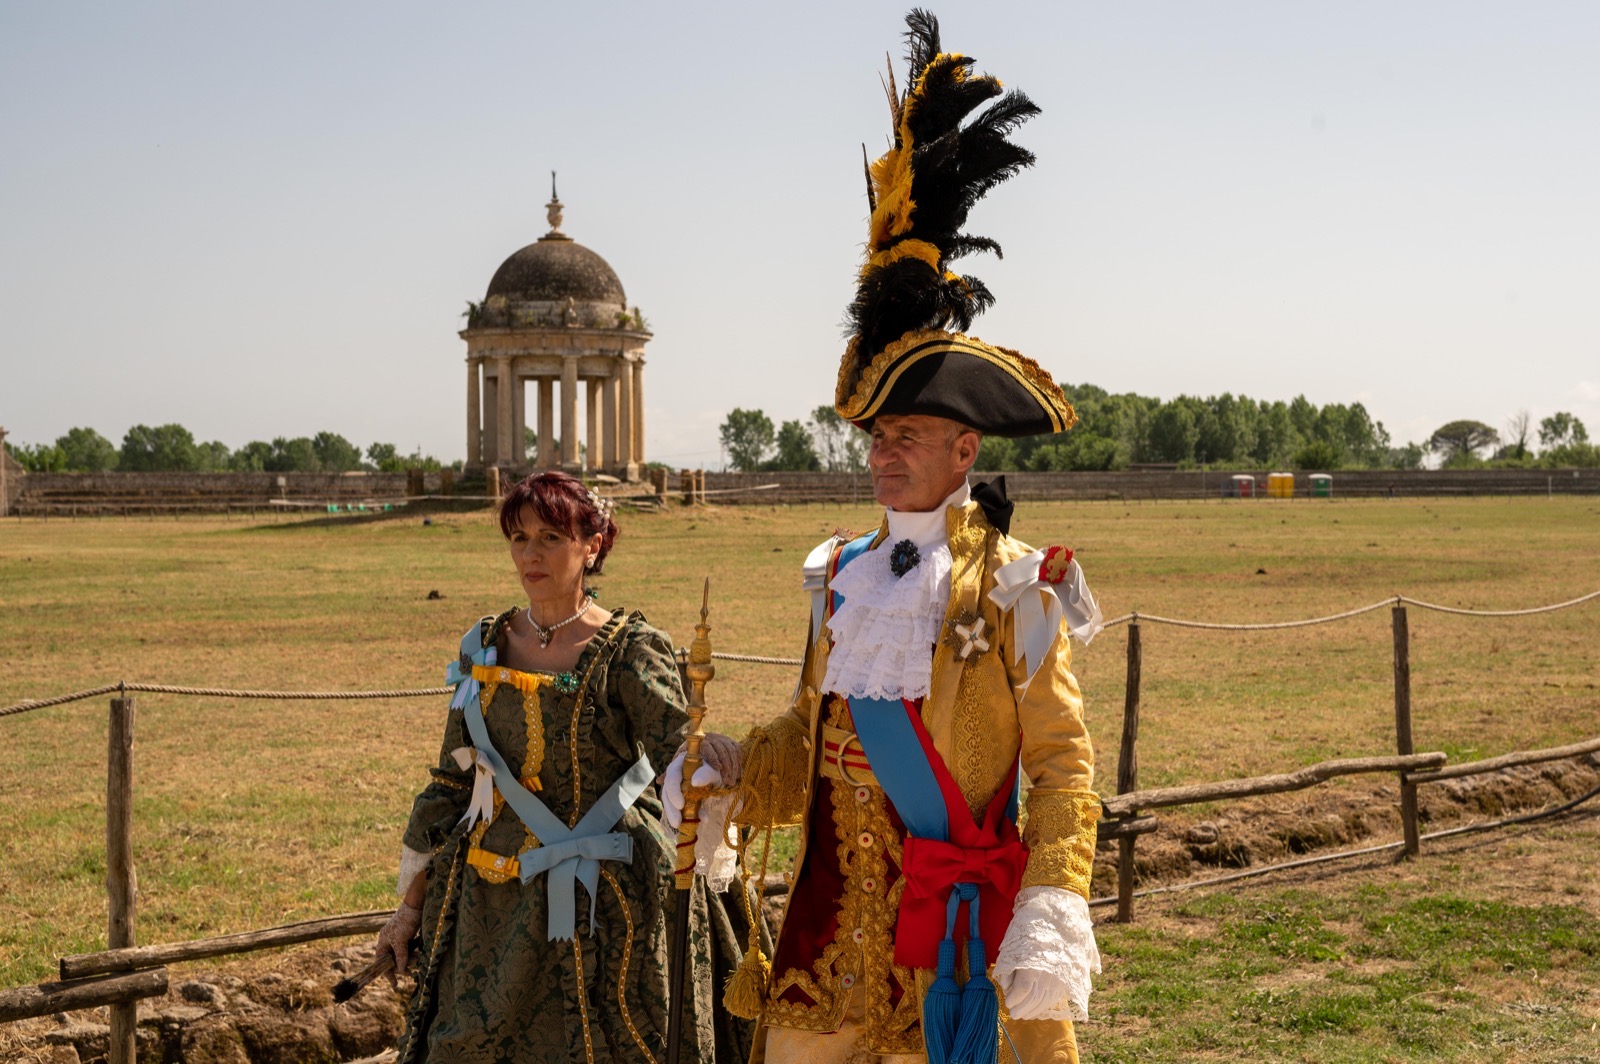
562,502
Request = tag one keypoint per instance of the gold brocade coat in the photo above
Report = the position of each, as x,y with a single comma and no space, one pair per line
979,726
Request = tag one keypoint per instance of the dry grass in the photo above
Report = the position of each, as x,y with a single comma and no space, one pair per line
254,813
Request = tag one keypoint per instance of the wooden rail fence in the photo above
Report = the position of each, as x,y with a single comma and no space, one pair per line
125,972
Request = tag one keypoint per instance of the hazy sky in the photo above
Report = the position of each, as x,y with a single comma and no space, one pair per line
263,220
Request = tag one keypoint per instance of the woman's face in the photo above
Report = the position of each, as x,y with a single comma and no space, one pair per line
549,562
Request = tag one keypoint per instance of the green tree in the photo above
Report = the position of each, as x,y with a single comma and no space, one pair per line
1173,431
298,455
251,458
165,447
1561,429
1276,437
384,457
1572,456
335,454
1407,457
1318,454
997,454
38,457
747,436
841,446
794,448
1076,450
212,457
86,451
1303,416
1458,440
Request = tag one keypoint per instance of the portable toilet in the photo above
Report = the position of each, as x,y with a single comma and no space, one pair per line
1321,486
1243,485
1280,485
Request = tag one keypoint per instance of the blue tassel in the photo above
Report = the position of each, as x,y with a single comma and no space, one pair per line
977,1037
941,1009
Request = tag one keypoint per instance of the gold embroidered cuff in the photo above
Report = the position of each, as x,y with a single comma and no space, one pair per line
774,764
1060,837
440,776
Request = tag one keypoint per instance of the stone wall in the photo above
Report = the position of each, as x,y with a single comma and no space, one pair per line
752,488
13,479
45,493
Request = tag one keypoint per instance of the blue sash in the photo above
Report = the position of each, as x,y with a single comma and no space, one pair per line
567,854
958,1024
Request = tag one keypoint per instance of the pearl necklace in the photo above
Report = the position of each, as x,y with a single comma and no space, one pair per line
546,634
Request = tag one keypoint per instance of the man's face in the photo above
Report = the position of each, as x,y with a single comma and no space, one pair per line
916,460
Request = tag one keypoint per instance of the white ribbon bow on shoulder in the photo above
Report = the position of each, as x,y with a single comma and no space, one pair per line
482,807
1039,606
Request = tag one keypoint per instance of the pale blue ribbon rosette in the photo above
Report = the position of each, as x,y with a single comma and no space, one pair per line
459,673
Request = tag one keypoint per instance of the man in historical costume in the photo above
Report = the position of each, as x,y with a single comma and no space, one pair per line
937,671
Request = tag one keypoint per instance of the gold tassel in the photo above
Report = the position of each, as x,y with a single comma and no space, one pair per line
746,996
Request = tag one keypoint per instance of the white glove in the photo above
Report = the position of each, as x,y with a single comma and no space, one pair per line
721,756
1045,961
395,937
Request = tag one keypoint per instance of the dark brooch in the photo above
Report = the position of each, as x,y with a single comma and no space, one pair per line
903,557
566,682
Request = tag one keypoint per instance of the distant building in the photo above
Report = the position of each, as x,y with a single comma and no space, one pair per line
554,313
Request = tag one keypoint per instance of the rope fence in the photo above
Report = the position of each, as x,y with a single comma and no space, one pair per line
757,659
1127,812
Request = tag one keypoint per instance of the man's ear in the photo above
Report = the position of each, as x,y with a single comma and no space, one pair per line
966,449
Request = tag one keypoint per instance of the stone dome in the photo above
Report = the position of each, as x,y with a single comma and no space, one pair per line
554,269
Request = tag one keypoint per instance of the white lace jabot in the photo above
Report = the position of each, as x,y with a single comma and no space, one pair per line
885,631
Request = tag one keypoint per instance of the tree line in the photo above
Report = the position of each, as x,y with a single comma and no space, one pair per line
173,448
1218,432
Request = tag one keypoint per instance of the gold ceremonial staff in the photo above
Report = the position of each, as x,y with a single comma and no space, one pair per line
700,671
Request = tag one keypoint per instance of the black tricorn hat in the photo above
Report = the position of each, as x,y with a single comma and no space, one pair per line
907,354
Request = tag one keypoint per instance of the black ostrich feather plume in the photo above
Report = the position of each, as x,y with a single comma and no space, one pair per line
943,160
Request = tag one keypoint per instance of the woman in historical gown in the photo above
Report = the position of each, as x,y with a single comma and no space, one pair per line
582,707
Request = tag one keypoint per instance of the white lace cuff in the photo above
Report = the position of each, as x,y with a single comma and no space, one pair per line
714,858
1051,933
411,863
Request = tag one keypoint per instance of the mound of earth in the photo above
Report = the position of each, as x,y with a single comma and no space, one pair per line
277,1008
1260,831
266,1009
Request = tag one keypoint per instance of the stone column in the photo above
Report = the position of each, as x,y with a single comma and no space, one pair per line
569,413
474,415
638,412
547,417
491,417
505,452
608,426
625,465
591,422
519,415
5,500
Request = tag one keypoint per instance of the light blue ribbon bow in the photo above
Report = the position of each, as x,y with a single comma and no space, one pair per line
567,854
459,672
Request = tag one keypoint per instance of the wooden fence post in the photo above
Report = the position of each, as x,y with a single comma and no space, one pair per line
1402,728
1128,770
121,883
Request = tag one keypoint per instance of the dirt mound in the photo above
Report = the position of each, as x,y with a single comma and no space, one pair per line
267,1009
1258,831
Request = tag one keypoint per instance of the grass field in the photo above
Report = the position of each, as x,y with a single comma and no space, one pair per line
253,813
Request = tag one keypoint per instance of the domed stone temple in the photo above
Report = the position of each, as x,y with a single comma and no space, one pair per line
555,313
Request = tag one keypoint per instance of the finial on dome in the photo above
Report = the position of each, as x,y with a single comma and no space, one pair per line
552,210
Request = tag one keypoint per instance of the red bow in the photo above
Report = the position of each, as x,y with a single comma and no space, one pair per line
930,869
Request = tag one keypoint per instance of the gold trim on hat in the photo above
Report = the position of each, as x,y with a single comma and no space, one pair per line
875,383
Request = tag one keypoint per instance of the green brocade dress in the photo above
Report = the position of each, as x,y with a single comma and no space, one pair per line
491,985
